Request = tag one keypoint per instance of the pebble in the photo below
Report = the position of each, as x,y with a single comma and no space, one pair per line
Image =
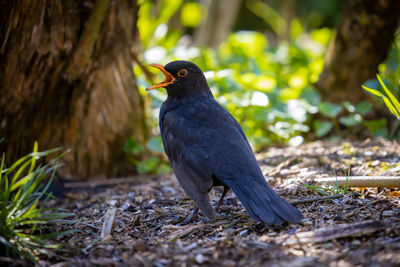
388,213
199,258
131,196
244,232
126,205
307,221
112,202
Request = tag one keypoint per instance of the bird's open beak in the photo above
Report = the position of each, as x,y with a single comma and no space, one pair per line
168,77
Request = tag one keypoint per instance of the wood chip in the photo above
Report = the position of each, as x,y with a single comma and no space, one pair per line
108,224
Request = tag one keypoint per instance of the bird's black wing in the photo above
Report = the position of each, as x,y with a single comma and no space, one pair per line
202,140
243,175
183,144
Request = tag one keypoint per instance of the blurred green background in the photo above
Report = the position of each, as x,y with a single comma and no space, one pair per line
290,71
262,69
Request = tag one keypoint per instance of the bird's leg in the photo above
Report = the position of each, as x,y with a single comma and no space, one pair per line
226,189
190,216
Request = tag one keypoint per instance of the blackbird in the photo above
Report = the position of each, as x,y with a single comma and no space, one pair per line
207,147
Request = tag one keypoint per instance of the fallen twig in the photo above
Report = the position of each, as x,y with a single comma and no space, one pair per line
194,228
90,225
313,199
362,181
326,234
111,181
108,225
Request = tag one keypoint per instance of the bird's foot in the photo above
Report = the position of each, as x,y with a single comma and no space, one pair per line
190,217
206,220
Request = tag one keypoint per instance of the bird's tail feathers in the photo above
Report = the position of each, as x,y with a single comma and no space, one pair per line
264,204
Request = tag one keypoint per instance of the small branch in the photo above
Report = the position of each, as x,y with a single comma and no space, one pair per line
108,225
111,181
147,73
362,181
90,225
186,230
313,199
326,234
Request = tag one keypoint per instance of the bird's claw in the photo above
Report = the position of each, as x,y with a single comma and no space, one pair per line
190,217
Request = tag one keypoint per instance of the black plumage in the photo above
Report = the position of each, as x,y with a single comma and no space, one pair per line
207,147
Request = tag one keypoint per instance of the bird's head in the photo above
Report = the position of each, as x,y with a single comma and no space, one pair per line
181,78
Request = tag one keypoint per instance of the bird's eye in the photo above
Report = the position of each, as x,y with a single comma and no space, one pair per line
182,73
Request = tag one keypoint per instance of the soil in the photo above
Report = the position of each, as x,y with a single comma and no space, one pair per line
358,228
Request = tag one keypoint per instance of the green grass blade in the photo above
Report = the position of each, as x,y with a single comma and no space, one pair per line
18,173
26,225
372,91
391,107
392,98
57,234
27,190
21,182
19,162
317,189
1,170
33,159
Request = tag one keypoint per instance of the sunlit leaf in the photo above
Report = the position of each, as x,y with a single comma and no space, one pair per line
268,14
132,146
364,107
296,28
330,109
322,36
311,96
155,144
351,120
249,43
395,103
391,107
372,91
322,127
191,14
377,127
163,169
350,107
148,165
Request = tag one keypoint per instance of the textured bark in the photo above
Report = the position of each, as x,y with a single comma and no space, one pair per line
361,42
67,81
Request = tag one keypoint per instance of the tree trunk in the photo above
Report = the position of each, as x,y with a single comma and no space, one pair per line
67,81
361,42
221,15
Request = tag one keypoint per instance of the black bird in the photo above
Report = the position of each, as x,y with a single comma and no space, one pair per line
207,147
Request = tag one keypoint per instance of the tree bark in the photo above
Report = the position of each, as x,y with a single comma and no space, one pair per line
67,81
221,15
360,43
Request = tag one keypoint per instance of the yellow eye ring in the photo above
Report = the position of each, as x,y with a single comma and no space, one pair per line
182,73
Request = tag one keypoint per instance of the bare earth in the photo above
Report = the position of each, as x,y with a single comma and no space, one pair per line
361,228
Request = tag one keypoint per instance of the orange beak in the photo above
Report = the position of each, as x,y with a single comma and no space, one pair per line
169,79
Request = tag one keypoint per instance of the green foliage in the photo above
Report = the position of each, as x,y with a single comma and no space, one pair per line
191,14
267,88
389,99
152,164
152,14
155,144
330,110
322,127
332,189
26,225
131,146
